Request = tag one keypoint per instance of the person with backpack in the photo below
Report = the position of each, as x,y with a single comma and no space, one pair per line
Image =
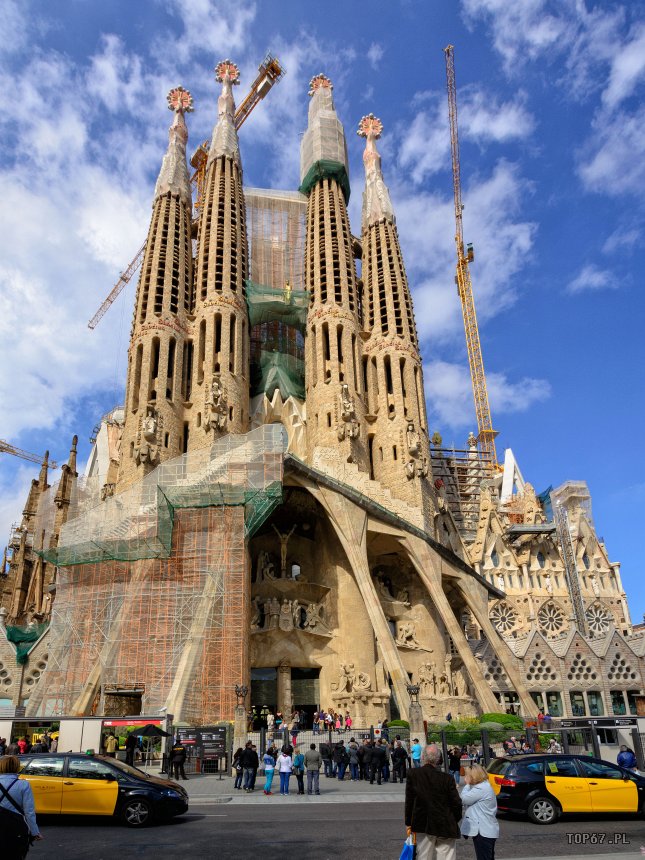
18,824
325,752
341,759
237,767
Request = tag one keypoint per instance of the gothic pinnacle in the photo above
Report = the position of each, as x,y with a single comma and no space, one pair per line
173,176
224,141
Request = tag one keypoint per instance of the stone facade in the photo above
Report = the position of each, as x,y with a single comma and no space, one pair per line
387,561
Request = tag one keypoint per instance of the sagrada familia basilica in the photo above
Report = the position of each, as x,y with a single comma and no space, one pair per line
269,507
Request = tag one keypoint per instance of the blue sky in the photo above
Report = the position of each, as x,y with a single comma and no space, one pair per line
553,170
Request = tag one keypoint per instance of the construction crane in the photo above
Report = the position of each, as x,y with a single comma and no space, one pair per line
269,73
465,256
6,448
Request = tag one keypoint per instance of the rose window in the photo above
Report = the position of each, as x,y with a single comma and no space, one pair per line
598,620
551,618
504,617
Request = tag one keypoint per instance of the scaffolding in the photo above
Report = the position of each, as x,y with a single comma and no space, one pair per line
461,472
155,599
276,295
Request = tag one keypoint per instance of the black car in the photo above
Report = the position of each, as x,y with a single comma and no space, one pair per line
544,786
77,784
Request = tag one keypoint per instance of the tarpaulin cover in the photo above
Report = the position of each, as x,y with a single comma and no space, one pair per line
271,371
326,170
24,639
285,305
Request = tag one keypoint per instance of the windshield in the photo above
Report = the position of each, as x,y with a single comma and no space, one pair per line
499,765
133,771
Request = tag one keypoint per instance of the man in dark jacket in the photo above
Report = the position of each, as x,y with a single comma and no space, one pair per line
325,752
399,759
379,755
433,808
367,759
340,759
250,764
177,759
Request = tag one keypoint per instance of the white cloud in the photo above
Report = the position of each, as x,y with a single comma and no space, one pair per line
483,118
210,28
375,54
613,160
592,279
627,68
449,395
491,221
623,237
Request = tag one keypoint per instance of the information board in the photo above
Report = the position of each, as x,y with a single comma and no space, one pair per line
204,742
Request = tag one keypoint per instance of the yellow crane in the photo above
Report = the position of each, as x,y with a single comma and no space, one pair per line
465,256
269,73
6,448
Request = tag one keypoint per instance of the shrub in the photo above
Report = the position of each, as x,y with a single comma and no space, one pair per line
404,724
509,721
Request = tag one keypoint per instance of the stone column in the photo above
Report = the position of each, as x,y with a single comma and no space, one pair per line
415,718
285,702
239,727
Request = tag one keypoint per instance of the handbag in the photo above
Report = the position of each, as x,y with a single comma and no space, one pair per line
409,851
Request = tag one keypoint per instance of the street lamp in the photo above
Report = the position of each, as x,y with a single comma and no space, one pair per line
413,692
241,691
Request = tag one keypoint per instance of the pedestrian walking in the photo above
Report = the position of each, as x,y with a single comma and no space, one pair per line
315,726
18,825
432,808
284,765
313,760
368,750
626,758
299,769
130,747
111,745
178,759
269,769
295,727
348,722
480,812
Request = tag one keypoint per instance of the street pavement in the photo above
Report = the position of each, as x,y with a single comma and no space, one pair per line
318,832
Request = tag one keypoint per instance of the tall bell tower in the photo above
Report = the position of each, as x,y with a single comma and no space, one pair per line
153,429
335,408
398,440
219,353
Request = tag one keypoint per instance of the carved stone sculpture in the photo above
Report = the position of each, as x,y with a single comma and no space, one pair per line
349,427
346,679
256,613
216,405
148,442
313,617
265,567
412,439
286,616
407,634
272,609
427,679
594,585
284,540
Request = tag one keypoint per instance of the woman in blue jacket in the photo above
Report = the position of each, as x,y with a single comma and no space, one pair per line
480,812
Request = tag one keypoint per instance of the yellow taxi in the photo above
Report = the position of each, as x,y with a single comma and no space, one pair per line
545,786
77,784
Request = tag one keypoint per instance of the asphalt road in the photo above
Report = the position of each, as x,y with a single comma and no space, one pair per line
329,832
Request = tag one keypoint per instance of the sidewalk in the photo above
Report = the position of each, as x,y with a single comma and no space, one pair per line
212,789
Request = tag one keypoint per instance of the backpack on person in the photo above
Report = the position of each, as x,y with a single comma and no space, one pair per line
13,825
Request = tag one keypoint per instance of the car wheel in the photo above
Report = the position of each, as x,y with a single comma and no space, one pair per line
543,810
136,812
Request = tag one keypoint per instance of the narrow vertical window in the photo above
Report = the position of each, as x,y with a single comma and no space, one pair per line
136,382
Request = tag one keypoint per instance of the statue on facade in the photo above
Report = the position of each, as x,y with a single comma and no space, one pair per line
427,678
216,404
256,613
594,585
349,427
346,679
284,540
500,582
272,609
412,439
265,570
286,616
403,596
361,683
460,682
295,611
313,617
148,442
407,635
548,584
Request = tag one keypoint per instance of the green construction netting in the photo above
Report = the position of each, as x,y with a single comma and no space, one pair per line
271,371
326,170
270,305
24,639
236,470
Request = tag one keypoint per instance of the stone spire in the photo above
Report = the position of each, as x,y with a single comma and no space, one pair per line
173,176
399,448
220,362
377,205
335,408
224,140
156,390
